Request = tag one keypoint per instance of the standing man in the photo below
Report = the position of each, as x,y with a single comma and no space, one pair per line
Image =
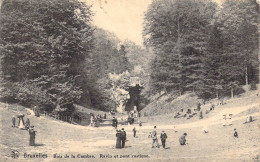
118,138
123,137
198,106
32,134
91,120
13,121
163,138
154,136
27,124
114,122
134,131
182,139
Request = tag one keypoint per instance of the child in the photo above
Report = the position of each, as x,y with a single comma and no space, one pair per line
235,133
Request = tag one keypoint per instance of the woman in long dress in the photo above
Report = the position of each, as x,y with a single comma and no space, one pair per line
118,139
21,121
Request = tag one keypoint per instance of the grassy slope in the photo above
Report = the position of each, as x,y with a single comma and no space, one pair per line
166,104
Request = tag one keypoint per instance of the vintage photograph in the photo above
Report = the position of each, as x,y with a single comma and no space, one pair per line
129,80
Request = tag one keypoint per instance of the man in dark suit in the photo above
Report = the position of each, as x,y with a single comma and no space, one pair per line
13,121
32,134
123,137
114,122
163,138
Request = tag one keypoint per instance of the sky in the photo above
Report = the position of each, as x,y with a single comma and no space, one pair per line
122,17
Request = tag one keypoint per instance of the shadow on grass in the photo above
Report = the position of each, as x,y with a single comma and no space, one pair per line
39,144
250,122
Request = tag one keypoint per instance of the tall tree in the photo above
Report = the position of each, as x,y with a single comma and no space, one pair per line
239,28
177,32
44,43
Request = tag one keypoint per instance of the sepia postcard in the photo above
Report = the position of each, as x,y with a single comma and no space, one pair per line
129,80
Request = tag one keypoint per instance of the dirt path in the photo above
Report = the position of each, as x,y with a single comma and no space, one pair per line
30,111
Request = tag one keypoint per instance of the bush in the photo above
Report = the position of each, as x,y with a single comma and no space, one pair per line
253,86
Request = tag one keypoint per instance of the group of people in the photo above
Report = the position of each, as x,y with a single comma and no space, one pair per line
95,120
25,126
120,138
21,124
163,138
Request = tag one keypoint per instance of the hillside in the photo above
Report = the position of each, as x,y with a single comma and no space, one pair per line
167,104
163,111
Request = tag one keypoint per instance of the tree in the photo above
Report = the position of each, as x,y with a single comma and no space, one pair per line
238,25
45,46
177,32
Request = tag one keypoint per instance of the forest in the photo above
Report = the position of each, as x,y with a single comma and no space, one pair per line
52,54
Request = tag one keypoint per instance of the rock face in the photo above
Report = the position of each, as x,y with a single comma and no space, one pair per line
121,96
125,91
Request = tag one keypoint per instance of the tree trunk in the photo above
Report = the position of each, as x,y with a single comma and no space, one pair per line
232,93
246,76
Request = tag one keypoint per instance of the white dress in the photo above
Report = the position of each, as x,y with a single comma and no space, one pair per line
21,124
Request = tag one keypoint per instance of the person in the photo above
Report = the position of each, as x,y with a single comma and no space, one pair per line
130,120
163,138
123,139
182,139
118,138
198,106
13,121
114,122
154,137
32,134
134,131
235,133
212,107
105,116
92,120
140,124
27,124
37,111
20,121
201,116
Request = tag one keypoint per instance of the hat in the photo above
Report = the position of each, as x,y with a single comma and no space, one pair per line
185,134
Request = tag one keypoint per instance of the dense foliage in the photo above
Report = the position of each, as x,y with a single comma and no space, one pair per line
43,45
202,48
